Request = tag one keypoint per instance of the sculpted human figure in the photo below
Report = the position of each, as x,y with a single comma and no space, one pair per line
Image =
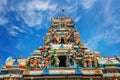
57,62
56,38
67,38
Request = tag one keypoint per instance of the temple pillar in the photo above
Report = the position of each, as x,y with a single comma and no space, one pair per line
57,62
95,64
67,60
75,63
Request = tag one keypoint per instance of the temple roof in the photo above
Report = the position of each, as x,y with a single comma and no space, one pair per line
16,62
13,62
62,21
108,61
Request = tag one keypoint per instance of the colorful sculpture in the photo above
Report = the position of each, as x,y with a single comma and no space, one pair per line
63,56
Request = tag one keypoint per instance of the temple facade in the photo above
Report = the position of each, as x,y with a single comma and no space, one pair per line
63,57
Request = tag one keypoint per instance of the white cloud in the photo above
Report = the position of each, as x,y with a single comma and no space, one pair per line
107,13
13,33
93,42
117,27
40,5
70,1
77,19
18,29
28,30
2,5
111,24
108,30
31,18
15,30
19,46
32,12
37,5
110,37
87,4
3,20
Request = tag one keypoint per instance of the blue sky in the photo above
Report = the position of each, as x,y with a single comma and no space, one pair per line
24,23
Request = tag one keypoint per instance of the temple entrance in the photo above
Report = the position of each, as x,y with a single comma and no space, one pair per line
62,61
62,41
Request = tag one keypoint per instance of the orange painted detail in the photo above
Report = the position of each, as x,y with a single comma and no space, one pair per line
22,67
8,66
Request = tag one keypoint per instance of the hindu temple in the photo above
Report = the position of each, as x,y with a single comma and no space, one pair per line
63,56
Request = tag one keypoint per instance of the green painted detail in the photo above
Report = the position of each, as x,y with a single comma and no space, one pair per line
78,79
14,68
62,34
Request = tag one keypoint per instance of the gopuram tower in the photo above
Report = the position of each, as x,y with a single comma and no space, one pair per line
63,56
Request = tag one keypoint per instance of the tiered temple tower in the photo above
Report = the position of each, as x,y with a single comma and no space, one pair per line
62,45
63,56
